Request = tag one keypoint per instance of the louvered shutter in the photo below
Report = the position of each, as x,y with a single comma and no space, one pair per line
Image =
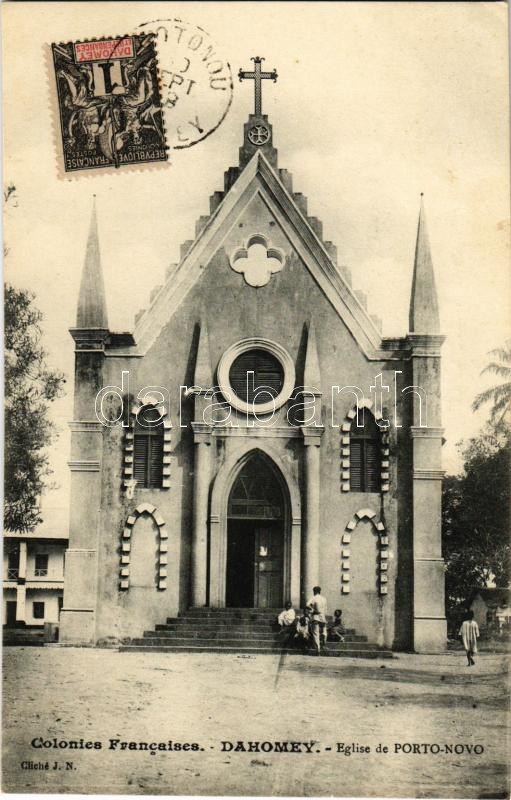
372,466
365,456
238,373
155,459
267,369
148,458
356,465
140,452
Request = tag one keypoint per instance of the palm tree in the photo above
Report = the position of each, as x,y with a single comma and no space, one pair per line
499,395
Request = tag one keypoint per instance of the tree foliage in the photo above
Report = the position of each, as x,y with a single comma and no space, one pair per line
499,395
30,387
475,517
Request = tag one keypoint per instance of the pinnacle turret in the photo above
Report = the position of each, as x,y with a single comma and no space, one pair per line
92,311
424,317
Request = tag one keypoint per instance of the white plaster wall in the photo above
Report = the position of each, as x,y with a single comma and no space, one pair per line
51,609
55,553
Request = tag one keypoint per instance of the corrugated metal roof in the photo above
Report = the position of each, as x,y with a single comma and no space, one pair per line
39,533
50,585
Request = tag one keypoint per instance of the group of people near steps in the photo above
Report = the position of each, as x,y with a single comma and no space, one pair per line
311,629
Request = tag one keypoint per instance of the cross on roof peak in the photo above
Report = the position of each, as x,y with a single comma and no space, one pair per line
257,75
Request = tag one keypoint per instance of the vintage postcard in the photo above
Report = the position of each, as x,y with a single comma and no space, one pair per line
257,399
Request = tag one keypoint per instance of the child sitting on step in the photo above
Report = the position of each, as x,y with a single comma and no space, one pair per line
336,629
302,630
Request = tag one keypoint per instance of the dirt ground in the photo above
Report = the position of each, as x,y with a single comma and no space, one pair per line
98,695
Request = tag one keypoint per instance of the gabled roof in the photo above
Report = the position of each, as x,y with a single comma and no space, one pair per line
258,178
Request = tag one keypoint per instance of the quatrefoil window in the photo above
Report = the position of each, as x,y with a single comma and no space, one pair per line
257,261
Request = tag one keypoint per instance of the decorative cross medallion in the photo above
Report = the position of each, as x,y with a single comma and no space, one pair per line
257,76
258,134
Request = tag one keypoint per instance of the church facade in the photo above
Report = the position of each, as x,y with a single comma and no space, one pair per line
255,435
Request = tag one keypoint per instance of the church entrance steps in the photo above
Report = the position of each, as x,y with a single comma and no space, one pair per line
228,633
230,614
244,631
231,629
207,638
255,650
243,644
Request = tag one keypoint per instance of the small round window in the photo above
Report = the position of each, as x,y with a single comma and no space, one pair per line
256,376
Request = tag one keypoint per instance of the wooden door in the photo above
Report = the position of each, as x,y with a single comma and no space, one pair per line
240,564
11,613
269,565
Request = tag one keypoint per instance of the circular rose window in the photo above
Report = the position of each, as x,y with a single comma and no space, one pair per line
256,376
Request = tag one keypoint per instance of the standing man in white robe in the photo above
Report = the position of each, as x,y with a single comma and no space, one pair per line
318,607
469,632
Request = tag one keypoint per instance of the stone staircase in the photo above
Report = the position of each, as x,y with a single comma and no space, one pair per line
239,630
23,637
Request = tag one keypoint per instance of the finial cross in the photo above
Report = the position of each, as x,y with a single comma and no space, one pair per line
257,76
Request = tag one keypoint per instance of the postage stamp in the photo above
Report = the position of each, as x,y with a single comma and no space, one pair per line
196,81
109,102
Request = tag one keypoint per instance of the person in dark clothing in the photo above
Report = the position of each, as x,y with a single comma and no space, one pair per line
336,629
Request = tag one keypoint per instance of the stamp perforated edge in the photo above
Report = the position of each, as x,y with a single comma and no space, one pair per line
55,121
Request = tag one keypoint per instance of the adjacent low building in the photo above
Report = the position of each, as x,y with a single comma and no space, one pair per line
491,607
34,576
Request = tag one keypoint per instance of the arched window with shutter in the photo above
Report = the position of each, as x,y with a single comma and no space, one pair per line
365,455
148,448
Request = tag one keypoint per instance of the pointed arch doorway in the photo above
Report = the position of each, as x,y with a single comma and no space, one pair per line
282,515
257,513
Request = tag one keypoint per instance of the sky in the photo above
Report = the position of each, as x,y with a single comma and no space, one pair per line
374,104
